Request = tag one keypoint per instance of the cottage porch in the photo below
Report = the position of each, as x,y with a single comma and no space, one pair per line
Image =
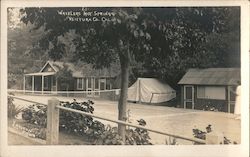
40,82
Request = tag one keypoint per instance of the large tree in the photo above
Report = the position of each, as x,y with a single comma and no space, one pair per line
122,38
165,41
201,37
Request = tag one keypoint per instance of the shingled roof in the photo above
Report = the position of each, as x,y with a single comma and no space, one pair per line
211,76
85,70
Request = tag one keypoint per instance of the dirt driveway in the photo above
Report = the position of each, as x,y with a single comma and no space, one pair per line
168,119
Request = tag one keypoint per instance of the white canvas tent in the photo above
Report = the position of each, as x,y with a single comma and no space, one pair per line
150,90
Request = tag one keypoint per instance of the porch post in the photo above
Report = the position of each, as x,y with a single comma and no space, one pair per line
56,84
99,86
184,97
228,97
42,83
139,86
51,84
93,86
33,83
193,97
24,84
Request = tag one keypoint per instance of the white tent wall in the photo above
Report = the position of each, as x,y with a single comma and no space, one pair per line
150,90
132,92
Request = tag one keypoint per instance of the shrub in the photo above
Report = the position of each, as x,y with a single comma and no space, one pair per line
70,122
138,136
202,135
208,106
13,110
109,137
36,114
76,123
135,136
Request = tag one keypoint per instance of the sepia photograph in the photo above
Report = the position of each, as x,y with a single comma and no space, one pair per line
167,76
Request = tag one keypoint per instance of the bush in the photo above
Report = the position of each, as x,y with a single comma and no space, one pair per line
70,122
13,110
202,135
36,114
109,137
95,131
208,106
138,136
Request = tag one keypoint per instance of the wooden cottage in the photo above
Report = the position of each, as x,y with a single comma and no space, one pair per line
210,89
84,78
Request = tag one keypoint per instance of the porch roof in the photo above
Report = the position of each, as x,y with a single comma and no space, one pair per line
40,74
212,76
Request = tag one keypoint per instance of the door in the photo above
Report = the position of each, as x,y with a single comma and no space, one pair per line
231,98
189,97
97,87
93,87
102,84
89,83
53,85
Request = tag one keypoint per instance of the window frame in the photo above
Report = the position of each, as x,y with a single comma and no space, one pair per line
198,95
206,95
78,80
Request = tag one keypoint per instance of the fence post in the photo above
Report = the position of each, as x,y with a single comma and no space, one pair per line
52,133
213,138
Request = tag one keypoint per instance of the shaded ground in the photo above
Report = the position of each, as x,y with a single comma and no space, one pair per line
168,119
16,137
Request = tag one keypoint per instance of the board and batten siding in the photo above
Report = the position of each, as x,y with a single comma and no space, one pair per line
216,96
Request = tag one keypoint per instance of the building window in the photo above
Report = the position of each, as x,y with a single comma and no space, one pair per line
89,82
96,83
211,92
89,85
80,83
201,92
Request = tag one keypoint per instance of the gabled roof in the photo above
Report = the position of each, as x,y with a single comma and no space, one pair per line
84,70
48,63
211,76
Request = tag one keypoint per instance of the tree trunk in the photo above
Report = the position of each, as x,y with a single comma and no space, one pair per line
122,106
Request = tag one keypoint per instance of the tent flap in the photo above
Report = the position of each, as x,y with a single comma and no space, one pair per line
150,90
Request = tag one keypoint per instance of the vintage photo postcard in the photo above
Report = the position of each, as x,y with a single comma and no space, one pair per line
124,78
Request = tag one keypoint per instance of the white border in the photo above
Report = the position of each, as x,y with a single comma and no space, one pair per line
241,150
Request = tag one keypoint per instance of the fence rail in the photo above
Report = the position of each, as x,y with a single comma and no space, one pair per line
132,125
31,101
62,92
53,121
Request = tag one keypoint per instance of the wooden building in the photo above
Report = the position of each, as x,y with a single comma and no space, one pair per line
210,89
84,78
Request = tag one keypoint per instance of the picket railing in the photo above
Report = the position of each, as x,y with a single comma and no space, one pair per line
52,134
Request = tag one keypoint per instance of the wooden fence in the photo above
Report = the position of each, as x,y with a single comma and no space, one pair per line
52,134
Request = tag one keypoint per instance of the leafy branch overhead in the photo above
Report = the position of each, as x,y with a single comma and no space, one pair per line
164,41
162,38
